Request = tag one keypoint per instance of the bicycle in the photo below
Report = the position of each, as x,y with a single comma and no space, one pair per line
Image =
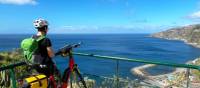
72,69
69,71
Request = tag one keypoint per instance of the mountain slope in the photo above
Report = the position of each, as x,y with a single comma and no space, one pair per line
189,34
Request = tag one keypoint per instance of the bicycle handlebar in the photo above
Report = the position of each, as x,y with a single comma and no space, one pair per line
67,48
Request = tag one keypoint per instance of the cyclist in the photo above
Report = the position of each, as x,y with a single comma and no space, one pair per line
44,50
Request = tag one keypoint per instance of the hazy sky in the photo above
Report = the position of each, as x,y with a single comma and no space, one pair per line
98,16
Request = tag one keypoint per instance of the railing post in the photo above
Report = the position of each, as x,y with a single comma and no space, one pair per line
117,73
188,77
12,74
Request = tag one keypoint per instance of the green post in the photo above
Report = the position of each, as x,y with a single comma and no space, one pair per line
12,74
117,73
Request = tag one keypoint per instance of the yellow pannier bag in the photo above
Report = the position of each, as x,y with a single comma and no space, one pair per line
36,81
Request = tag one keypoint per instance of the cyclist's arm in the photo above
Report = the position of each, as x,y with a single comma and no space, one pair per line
49,48
50,52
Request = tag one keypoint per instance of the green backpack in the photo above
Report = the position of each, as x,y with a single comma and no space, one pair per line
29,46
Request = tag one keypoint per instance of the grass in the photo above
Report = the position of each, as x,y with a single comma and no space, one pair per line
14,56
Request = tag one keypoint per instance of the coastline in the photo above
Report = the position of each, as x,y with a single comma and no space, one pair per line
177,39
177,78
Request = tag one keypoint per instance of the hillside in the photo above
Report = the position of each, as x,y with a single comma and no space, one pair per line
189,34
11,57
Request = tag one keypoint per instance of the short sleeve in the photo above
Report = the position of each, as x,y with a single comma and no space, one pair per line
48,42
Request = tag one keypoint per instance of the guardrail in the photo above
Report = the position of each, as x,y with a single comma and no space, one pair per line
12,72
117,59
140,61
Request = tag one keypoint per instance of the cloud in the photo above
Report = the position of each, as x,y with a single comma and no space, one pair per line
194,16
18,2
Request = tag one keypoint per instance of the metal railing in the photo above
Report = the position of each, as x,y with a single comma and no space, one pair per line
117,59
12,72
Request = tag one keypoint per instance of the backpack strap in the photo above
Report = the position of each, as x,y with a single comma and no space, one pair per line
40,38
39,80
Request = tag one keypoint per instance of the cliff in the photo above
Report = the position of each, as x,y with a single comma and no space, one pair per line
189,34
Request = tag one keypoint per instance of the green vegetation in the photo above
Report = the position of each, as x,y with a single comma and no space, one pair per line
15,56
7,58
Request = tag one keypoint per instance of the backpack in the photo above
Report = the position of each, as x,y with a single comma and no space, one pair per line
29,46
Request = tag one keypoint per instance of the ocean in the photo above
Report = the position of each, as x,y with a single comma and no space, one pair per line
139,46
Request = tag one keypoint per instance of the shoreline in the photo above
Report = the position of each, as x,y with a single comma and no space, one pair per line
140,70
176,77
177,39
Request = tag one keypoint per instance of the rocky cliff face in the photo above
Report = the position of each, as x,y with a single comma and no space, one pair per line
189,34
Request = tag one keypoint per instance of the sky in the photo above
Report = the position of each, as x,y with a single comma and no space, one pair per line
98,16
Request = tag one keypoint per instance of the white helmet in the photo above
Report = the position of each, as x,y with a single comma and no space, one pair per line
39,23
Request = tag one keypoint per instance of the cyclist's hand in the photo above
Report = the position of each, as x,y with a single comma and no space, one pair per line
64,54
